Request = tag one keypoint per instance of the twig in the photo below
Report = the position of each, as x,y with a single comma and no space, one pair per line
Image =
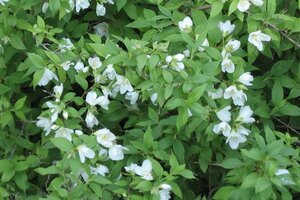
205,7
283,34
288,126
15,145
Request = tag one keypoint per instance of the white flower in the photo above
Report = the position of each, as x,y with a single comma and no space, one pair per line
190,114
224,115
243,5
256,38
153,98
105,91
102,152
245,115
65,45
145,171
84,175
131,168
100,10
246,78
227,66
64,132
242,130
44,8
78,132
186,53
104,102
95,62
164,192
257,2
110,1
54,109
47,76
226,28
234,139
124,84
91,120
186,24
66,65
100,169
105,137
132,96
223,128
79,66
82,4
44,123
84,152
176,61
232,46
3,2
205,43
58,90
238,96
115,152
101,29
216,95
92,99
65,114
281,172
110,72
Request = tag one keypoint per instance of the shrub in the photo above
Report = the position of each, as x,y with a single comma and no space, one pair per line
151,99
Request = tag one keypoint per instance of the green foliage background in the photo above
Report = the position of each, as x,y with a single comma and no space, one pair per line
184,151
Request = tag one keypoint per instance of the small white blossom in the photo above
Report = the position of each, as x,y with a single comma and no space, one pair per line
58,90
115,152
3,2
79,66
110,72
176,61
100,169
95,62
100,10
243,5
131,168
48,75
216,95
65,45
256,38
226,28
234,139
186,53
145,171
164,192
281,172
101,29
44,8
242,130
224,115
65,114
92,98
232,46
105,137
124,84
132,96
186,24
246,78
205,43
54,109
66,65
227,66
91,120
245,115
78,132
44,123
85,152
223,128
64,132
153,98
238,96
102,152
81,4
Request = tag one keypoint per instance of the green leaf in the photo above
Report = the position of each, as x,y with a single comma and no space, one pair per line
196,94
37,61
262,184
148,138
216,9
4,89
48,170
232,163
224,193
37,77
271,7
7,175
62,143
187,174
254,154
277,93
167,76
20,103
120,4
16,42
82,82
290,110
139,23
54,6
182,117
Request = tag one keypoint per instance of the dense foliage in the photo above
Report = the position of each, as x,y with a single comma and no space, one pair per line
153,99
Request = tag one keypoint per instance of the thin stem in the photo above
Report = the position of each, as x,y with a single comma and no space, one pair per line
288,126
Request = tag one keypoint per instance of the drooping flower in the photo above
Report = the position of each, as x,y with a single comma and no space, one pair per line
64,132
54,109
223,128
65,45
216,95
245,115
81,4
232,46
244,5
256,38
100,10
281,172
242,130
115,152
58,90
44,123
226,28
92,99
186,53
110,72
153,98
205,43
145,171
95,62
102,29
105,137
235,139
85,152
186,24
44,8
79,66
66,65
164,192
48,75
91,120
176,61
131,168
100,169
123,84
132,97
246,78
224,115
227,66
238,96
